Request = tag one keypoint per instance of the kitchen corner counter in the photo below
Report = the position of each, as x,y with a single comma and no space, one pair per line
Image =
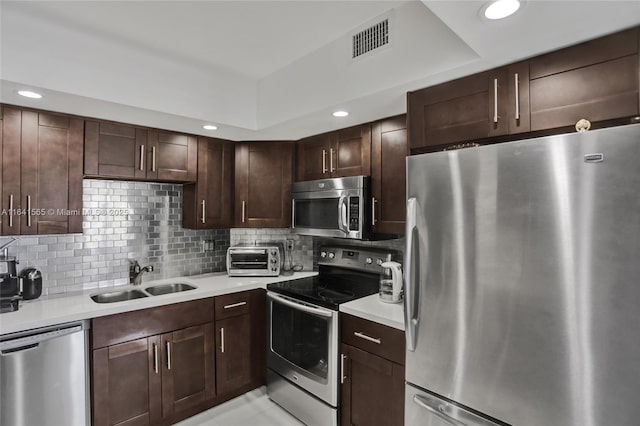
372,309
58,309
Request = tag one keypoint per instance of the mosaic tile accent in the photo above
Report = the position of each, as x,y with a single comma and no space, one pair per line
126,221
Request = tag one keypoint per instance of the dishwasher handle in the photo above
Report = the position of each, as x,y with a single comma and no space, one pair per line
24,342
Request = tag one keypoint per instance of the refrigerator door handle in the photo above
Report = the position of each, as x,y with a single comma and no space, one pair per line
436,411
412,275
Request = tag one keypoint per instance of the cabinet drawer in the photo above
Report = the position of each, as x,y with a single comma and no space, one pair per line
378,339
231,305
118,328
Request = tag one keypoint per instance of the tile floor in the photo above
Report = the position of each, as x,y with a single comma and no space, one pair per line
251,409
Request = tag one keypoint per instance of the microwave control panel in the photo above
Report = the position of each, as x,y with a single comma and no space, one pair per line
354,213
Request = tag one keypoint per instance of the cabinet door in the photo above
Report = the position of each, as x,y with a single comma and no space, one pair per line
263,184
388,175
51,173
115,150
372,390
462,110
11,133
350,152
187,368
172,157
596,80
233,353
126,383
208,204
312,157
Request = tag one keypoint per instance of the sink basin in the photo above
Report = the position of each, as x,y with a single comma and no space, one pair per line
117,296
160,289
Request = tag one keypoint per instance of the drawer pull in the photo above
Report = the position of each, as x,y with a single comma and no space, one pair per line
235,305
365,337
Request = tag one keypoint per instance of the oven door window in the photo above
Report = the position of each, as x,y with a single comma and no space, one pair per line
301,338
321,213
250,260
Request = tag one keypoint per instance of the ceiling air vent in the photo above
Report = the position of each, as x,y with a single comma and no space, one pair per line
371,38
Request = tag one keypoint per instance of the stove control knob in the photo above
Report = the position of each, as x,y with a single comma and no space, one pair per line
369,261
332,255
379,262
323,254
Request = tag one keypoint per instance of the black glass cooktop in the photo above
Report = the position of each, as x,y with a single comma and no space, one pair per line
330,289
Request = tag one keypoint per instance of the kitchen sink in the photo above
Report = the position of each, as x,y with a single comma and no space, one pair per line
118,296
160,289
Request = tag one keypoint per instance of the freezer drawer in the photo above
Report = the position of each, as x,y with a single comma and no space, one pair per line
425,409
43,376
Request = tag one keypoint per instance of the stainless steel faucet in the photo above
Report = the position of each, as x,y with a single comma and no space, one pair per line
135,272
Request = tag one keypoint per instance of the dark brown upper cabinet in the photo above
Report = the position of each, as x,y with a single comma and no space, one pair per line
597,80
121,151
263,176
389,150
345,152
208,203
462,110
41,172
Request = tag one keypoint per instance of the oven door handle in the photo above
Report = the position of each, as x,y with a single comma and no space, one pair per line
303,308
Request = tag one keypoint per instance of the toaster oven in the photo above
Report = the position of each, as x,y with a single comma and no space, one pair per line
254,261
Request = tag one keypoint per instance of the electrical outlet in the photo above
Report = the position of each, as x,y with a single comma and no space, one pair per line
289,244
208,246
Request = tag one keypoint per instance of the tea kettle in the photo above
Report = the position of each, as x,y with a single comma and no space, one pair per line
391,282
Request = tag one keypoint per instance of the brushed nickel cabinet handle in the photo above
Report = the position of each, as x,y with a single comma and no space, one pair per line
373,210
517,84
10,210
141,157
153,158
155,358
222,340
235,305
332,169
365,337
28,210
243,210
342,376
168,355
495,100
204,210
324,161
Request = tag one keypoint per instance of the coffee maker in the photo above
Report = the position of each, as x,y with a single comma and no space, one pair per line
14,287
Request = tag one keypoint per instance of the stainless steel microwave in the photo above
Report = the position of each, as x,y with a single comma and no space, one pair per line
337,207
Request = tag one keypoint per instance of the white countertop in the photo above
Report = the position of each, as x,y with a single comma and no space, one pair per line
372,309
50,310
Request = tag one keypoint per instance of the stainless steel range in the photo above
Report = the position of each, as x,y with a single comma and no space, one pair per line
304,332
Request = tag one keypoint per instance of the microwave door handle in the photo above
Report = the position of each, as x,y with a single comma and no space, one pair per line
342,214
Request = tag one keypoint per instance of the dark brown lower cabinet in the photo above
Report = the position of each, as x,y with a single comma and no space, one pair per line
372,389
127,383
233,353
187,369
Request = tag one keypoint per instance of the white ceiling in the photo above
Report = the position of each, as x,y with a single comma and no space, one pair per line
266,69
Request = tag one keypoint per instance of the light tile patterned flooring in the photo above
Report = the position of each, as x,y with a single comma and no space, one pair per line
251,409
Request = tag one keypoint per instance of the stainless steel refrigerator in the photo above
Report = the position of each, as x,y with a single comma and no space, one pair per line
523,283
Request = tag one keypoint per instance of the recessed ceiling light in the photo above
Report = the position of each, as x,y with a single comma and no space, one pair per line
501,9
210,127
340,114
29,94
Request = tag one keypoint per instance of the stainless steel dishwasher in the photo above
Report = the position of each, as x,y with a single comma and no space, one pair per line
44,376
